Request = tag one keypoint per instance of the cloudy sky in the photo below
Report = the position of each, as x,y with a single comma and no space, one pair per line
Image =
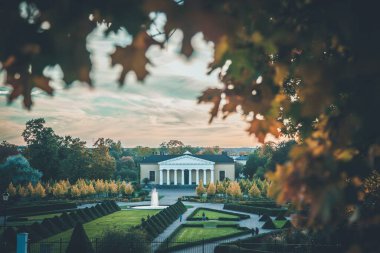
162,108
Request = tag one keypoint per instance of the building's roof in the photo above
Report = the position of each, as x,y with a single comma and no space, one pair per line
212,158
242,158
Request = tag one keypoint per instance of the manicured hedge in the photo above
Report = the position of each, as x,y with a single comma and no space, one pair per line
52,226
264,217
54,229
41,207
287,224
95,212
159,222
16,218
269,225
58,221
280,217
240,216
67,219
256,210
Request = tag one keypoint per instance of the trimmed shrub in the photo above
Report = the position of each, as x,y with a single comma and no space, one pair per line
76,218
269,225
95,212
287,224
280,217
17,218
79,241
106,208
60,223
83,215
264,217
101,210
47,223
40,207
256,210
67,219
88,212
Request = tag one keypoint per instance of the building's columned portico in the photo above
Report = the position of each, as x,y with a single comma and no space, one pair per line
186,170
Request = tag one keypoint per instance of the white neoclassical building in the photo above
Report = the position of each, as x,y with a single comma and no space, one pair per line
186,169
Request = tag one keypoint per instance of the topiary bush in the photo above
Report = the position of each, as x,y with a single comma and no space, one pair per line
48,224
280,217
264,217
79,241
59,222
269,225
67,219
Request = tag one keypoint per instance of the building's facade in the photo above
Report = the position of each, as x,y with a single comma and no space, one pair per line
186,169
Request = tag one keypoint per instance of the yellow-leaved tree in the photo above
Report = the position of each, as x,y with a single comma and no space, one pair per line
234,190
254,191
200,188
12,190
211,189
39,191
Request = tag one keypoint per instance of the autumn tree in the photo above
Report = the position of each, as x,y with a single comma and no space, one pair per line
234,189
211,189
200,189
303,69
254,191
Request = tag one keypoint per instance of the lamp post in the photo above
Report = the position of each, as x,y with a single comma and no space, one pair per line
5,200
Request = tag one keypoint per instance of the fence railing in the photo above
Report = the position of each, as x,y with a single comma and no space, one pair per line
186,246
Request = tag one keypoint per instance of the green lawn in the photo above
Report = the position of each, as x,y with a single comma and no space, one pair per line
190,234
120,220
279,223
213,215
212,222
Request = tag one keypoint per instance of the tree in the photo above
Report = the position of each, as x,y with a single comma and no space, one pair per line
173,147
12,190
254,191
39,191
74,159
17,169
280,154
234,189
102,164
211,189
200,190
43,147
6,150
128,189
220,188
255,162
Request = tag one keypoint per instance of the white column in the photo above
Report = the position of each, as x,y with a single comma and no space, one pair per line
212,176
161,177
204,177
190,177
167,177
197,177
183,177
175,177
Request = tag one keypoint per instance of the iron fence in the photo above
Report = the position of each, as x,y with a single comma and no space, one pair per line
187,247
